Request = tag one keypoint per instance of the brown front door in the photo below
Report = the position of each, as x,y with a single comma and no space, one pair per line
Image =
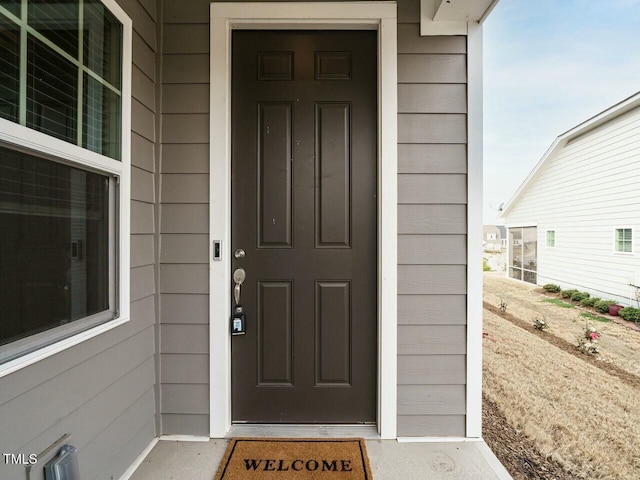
304,210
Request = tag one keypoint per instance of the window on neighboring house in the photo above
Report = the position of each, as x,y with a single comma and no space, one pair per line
491,236
551,238
624,240
64,176
523,253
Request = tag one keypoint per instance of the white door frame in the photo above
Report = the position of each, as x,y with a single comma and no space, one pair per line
225,17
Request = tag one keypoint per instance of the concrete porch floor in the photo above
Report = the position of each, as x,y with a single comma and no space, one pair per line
389,459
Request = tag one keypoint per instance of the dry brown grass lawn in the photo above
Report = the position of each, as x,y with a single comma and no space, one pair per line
575,413
618,344
589,424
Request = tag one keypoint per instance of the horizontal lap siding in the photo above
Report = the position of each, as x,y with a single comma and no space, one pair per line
432,250
432,228
584,192
184,224
432,167
101,391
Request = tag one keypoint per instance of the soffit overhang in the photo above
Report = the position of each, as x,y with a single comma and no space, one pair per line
452,17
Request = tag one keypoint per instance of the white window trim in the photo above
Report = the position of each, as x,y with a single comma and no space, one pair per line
14,134
618,252
555,238
376,15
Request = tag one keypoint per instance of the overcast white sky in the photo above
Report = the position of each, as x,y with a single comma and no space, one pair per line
548,66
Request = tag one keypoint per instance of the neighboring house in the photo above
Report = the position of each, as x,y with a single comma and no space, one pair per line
494,238
575,220
353,204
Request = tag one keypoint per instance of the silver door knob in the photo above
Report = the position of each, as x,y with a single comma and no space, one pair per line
239,253
238,277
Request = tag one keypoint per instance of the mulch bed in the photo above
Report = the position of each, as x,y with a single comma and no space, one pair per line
626,377
619,320
517,453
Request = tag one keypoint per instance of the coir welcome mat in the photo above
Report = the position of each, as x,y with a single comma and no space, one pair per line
295,459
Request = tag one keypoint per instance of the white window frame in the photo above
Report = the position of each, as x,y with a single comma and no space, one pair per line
546,238
14,134
615,242
521,227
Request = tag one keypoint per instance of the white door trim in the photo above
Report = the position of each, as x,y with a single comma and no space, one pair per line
225,17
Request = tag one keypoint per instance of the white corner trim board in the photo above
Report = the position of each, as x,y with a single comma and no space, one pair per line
138,461
474,229
225,17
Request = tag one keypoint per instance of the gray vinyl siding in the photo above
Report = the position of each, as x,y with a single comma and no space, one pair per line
101,391
432,227
184,225
432,224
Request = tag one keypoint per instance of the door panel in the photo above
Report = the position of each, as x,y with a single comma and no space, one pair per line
333,174
333,333
275,364
304,209
274,173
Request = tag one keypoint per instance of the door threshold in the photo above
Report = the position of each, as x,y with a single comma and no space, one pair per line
369,432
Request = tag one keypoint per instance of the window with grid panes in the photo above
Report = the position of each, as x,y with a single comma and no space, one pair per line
551,238
624,240
61,207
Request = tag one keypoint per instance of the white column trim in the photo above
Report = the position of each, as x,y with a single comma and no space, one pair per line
388,229
474,232
225,17
220,227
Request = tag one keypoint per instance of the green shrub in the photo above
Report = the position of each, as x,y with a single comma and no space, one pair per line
630,314
603,305
590,301
568,293
485,265
579,296
552,287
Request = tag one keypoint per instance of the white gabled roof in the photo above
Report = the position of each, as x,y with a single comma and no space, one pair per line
594,122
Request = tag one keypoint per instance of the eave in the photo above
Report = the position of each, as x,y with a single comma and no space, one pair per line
559,143
452,17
